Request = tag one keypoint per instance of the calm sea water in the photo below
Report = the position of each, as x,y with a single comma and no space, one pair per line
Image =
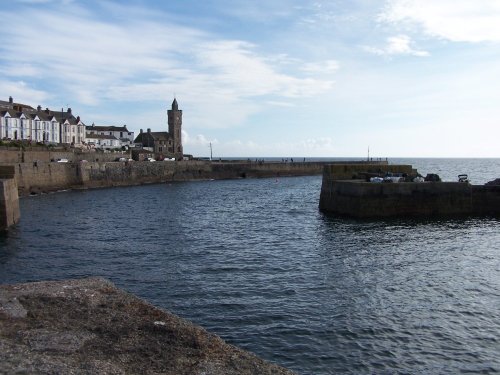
256,262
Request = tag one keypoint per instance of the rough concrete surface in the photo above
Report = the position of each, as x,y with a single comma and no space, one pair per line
89,326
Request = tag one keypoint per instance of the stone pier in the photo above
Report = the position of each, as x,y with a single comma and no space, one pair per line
360,199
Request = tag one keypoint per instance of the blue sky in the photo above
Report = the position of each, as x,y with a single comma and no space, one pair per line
406,78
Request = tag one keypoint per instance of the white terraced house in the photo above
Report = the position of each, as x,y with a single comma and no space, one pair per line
22,122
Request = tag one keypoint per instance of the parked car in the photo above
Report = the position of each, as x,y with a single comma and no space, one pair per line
394,177
150,159
62,160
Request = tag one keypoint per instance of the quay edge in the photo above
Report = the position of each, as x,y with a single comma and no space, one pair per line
361,199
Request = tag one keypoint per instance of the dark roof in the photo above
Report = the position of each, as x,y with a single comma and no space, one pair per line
108,128
64,116
6,104
157,136
11,112
16,114
43,114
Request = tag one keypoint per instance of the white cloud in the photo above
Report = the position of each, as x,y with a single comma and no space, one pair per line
241,71
23,93
136,56
279,104
397,45
454,20
323,67
198,140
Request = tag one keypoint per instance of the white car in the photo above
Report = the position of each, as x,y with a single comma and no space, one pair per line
394,177
62,160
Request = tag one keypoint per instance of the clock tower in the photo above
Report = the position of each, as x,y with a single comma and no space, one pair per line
175,129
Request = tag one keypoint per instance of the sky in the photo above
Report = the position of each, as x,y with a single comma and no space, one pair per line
282,78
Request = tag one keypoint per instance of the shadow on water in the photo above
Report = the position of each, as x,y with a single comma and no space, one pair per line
8,244
462,221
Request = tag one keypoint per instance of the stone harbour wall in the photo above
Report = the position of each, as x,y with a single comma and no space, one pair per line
406,199
9,203
9,198
36,177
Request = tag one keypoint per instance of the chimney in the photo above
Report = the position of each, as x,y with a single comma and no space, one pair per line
149,130
77,118
140,131
11,100
69,111
47,110
39,108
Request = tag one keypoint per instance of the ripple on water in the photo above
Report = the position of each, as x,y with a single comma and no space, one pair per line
255,262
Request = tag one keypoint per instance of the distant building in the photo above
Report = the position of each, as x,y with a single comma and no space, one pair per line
72,128
121,134
165,144
22,122
103,141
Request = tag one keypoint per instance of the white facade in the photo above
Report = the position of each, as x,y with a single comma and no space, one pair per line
73,132
120,133
26,126
103,141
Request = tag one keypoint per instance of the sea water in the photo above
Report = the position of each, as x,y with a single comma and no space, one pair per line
254,261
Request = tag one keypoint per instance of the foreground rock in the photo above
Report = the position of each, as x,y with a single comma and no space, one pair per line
89,326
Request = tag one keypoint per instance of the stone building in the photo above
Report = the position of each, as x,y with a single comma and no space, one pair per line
165,144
